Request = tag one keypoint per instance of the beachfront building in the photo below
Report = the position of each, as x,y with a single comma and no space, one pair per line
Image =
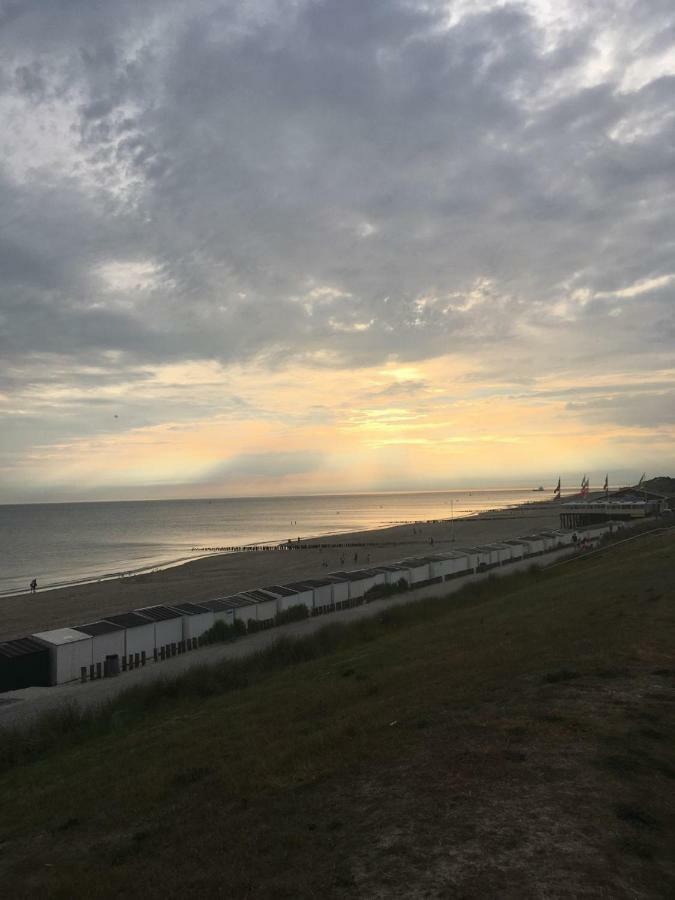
24,662
266,606
340,589
418,570
168,624
626,505
222,610
533,544
322,590
69,653
243,608
479,557
139,635
301,595
496,554
361,581
394,573
505,551
107,640
196,619
518,550
446,565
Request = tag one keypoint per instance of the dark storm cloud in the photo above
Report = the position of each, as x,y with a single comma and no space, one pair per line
335,181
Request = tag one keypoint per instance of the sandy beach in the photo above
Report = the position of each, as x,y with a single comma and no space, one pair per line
227,573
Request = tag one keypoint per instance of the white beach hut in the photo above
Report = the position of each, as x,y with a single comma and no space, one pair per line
221,609
266,606
69,651
517,549
244,609
479,557
340,589
418,570
303,596
450,565
322,589
139,634
196,619
504,550
394,573
493,554
533,543
107,639
168,624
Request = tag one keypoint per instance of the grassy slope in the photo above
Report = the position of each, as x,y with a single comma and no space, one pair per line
513,741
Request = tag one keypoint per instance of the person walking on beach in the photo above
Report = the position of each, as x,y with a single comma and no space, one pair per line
33,586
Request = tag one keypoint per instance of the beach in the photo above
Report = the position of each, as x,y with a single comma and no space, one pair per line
227,573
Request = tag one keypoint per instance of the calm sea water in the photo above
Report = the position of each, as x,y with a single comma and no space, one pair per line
63,543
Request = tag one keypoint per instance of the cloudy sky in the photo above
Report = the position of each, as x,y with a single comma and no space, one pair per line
289,246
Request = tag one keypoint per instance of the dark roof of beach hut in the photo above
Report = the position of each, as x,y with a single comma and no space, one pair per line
21,647
319,582
190,609
283,590
128,620
158,613
215,605
95,629
298,586
236,601
259,595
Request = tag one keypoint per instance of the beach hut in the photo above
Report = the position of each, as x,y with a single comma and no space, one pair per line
564,536
221,609
533,543
196,619
549,539
418,570
394,573
139,634
449,565
504,551
479,557
69,651
243,608
493,555
24,662
303,596
322,589
266,606
362,580
107,639
340,589
168,624
517,549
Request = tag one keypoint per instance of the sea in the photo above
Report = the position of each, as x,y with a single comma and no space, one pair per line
72,543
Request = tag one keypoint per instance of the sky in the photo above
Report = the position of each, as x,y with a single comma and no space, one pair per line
310,246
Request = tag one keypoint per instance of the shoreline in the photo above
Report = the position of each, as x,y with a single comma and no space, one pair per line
218,574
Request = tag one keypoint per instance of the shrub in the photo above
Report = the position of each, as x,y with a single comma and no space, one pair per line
293,614
386,590
220,631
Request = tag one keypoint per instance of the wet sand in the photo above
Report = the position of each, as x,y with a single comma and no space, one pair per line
227,573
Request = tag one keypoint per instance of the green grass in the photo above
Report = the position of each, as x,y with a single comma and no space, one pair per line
512,740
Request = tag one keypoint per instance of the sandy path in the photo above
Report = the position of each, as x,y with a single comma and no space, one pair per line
228,573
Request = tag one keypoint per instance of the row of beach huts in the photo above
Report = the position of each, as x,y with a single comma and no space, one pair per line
122,642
